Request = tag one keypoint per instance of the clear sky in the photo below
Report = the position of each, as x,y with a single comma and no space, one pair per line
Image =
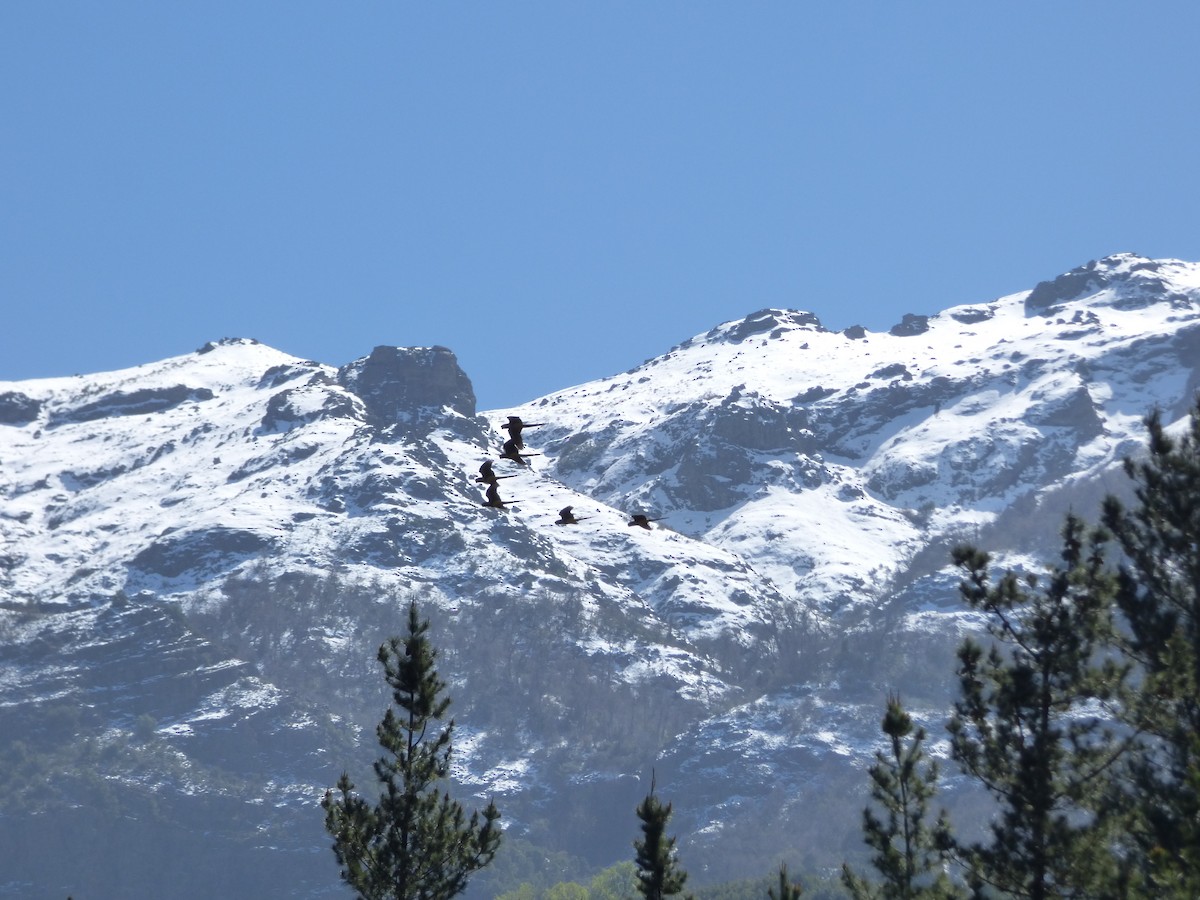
560,190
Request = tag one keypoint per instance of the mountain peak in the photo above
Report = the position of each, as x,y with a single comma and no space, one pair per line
1121,280
776,322
227,342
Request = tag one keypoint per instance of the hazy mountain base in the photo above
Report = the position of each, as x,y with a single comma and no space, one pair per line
154,783
519,667
155,779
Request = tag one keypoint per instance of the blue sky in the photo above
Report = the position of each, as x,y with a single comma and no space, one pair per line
558,191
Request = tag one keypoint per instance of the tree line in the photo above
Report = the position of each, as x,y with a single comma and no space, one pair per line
1078,712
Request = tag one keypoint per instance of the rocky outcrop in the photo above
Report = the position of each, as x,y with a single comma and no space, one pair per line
747,420
773,322
299,406
131,403
910,326
403,384
855,332
970,315
1141,282
174,554
18,409
285,372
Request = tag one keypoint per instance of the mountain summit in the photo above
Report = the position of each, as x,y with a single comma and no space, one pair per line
200,556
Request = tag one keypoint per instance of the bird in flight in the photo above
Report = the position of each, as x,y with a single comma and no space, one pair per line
514,426
641,521
512,451
566,517
493,497
488,476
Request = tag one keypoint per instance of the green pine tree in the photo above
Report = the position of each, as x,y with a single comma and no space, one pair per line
910,854
659,874
1026,725
416,842
1159,598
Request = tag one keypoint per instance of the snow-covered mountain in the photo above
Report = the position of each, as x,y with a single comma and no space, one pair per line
199,557
810,452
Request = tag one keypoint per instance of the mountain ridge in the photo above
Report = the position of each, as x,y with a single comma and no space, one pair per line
256,520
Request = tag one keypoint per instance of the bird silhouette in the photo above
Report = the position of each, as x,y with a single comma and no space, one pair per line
512,451
514,426
641,521
566,517
488,476
493,497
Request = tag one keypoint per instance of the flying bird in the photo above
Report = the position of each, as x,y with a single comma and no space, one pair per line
488,476
566,517
493,497
514,426
641,521
511,451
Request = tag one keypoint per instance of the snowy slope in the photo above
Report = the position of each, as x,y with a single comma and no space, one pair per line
168,476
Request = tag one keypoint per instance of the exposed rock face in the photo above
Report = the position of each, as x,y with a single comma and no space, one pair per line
1141,282
310,403
751,421
131,403
910,326
971,314
172,555
285,372
895,370
18,409
395,381
775,322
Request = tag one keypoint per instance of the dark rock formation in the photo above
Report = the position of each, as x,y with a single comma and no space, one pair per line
18,409
1075,410
1139,279
173,554
288,408
813,394
131,403
398,383
910,325
756,423
775,321
895,370
226,342
973,314
282,374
